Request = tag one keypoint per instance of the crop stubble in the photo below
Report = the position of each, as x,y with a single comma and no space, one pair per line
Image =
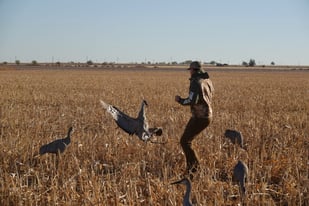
104,166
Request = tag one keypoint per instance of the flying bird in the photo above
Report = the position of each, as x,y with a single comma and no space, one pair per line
240,174
186,198
133,126
57,146
235,137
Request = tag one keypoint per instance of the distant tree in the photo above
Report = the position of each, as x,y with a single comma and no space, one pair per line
213,62
89,62
17,62
219,64
251,63
272,63
187,62
58,64
244,63
34,63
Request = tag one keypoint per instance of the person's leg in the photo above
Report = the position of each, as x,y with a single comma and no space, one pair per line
193,128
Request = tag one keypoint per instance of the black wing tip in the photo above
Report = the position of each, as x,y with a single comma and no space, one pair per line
157,131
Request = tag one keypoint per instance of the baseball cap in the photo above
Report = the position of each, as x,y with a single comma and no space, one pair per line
195,65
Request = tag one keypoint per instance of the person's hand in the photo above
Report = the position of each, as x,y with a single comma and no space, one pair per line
177,98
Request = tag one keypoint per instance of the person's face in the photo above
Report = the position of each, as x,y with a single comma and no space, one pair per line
191,71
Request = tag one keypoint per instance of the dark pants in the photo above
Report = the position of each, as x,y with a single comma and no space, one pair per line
193,128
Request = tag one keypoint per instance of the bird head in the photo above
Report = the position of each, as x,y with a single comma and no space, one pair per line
145,102
184,181
70,129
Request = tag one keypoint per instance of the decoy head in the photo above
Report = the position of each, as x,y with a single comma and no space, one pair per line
184,181
145,102
70,129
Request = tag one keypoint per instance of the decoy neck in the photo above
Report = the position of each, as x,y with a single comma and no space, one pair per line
141,114
186,198
67,139
239,175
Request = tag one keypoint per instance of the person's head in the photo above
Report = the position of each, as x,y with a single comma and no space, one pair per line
195,66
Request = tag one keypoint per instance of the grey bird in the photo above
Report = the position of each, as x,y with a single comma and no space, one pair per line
57,146
235,137
186,198
240,174
133,126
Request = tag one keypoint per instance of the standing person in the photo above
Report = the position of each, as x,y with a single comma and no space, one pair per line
200,95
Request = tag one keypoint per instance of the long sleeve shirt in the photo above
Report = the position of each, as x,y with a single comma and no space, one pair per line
200,95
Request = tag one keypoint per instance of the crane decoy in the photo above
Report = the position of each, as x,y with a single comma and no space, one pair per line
57,146
186,198
138,126
235,137
240,174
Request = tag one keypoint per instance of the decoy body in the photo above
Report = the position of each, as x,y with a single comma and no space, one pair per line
57,146
137,126
235,136
240,174
186,198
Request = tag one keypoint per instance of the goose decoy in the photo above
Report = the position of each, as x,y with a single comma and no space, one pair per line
137,126
240,174
57,146
235,137
186,198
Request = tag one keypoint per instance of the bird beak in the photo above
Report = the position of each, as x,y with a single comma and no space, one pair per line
177,182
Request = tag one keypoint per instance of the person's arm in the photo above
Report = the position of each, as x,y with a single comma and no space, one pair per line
192,98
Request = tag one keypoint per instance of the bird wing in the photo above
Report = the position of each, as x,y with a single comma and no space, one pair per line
53,147
125,122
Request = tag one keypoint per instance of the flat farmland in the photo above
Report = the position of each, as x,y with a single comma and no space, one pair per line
105,166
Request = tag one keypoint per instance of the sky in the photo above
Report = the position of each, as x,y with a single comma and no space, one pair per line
129,31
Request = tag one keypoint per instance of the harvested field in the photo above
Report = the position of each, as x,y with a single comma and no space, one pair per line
105,166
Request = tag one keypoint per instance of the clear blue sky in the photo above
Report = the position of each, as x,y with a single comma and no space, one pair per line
228,31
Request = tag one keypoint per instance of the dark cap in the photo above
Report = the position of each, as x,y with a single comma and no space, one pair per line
195,65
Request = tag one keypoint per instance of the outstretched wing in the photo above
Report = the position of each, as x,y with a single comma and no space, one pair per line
125,122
